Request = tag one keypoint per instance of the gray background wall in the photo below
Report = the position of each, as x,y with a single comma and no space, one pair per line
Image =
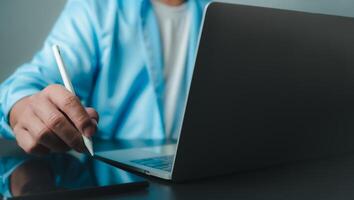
24,24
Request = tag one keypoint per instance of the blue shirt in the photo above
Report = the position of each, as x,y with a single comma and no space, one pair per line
113,52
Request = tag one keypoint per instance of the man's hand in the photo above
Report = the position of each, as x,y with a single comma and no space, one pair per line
52,120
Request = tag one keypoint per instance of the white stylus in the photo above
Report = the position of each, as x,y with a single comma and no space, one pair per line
67,83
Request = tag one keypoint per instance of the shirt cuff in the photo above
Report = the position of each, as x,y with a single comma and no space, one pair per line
5,129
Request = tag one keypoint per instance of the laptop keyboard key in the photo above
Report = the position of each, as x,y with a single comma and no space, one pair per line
162,163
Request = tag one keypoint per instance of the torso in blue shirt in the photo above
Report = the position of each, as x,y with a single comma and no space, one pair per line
112,49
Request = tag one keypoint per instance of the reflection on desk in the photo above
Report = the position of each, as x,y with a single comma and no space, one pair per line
324,179
59,173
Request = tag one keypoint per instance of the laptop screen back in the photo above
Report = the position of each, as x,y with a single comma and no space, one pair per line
269,86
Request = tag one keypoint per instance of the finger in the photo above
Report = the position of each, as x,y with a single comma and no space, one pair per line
58,123
69,104
94,117
42,134
28,144
92,113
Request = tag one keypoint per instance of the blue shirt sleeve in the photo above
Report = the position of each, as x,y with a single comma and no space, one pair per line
75,33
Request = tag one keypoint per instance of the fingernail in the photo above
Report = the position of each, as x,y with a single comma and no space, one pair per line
89,131
94,121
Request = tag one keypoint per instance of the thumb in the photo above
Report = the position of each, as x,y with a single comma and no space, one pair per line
93,115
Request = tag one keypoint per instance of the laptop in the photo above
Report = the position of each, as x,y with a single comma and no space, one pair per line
269,86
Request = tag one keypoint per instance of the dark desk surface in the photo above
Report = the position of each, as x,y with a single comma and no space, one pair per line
320,179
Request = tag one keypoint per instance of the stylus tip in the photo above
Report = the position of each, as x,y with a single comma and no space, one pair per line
88,144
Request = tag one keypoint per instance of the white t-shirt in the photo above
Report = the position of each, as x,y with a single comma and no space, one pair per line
174,23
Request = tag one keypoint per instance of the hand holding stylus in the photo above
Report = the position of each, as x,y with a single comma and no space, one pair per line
52,120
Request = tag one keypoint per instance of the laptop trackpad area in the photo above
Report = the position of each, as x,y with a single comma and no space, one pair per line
164,150
124,155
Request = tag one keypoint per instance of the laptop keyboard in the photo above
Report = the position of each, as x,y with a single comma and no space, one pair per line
162,163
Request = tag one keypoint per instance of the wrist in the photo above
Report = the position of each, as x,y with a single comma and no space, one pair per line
17,110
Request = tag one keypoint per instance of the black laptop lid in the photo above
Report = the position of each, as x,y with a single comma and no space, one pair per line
269,86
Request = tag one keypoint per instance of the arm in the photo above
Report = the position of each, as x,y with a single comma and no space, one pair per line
23,94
